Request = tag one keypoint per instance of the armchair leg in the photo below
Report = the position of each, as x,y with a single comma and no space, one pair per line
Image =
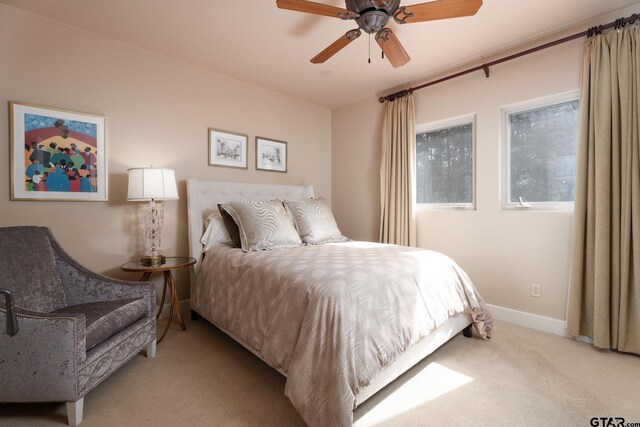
74,412
151,349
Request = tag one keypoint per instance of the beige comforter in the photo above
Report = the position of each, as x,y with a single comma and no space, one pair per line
331,316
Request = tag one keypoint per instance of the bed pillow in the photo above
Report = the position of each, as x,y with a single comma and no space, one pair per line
232,227
263,225
314,221
215,232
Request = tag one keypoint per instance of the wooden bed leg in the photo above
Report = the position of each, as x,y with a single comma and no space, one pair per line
467,332
195,316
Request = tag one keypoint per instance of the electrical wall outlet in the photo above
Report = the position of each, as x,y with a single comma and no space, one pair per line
536,290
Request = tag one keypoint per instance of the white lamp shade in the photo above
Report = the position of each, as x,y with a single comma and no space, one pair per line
151,183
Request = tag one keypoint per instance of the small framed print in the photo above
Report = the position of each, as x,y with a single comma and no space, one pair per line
227,149
271,155
57,154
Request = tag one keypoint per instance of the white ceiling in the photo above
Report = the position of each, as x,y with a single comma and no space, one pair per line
255,42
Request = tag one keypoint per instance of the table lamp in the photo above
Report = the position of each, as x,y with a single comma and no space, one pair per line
152,184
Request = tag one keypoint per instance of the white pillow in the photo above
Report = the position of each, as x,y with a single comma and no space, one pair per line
263,225
314,221
215,232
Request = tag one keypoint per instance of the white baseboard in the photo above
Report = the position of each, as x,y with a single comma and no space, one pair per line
528,320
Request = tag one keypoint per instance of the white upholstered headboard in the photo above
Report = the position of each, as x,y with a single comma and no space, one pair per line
203,197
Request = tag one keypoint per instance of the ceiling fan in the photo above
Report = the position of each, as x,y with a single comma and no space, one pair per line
372,17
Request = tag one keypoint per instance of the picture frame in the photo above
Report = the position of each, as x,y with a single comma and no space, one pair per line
271,155
227,149
57,154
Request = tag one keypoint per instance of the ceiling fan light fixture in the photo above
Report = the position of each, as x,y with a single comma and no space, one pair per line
372,21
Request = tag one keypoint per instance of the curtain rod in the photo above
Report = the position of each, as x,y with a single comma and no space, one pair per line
618,23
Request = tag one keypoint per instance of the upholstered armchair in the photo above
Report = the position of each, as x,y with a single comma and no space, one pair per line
75,327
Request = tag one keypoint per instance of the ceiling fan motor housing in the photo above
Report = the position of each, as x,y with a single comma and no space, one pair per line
374,14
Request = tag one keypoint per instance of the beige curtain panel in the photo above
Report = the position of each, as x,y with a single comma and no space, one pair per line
396,173
604,297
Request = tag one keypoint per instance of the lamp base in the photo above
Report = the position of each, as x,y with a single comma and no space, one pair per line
153,260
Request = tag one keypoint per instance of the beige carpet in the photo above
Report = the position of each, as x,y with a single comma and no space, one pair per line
520,377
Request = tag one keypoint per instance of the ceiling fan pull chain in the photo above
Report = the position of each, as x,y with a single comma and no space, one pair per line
369,48
383,54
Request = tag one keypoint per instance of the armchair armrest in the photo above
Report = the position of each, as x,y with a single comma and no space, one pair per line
41,362
82,285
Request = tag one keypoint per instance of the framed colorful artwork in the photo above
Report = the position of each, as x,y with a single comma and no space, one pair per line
57,154
271,155
228,149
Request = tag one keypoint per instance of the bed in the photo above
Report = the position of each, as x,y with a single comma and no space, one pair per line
339,320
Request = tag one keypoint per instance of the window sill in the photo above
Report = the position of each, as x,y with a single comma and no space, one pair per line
539,207
445,207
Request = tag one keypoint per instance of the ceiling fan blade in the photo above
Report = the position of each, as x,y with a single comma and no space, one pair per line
392,48
439,9
336,46
312,7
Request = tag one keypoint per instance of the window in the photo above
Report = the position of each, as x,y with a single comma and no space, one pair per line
444,164
541,142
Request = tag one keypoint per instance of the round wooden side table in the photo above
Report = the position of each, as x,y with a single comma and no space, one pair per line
172,263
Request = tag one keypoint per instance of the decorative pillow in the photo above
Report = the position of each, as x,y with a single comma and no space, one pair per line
232,227
314,221
216,231
263,225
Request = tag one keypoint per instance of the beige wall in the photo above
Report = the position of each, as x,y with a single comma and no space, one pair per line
158,111
355,172
502,251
